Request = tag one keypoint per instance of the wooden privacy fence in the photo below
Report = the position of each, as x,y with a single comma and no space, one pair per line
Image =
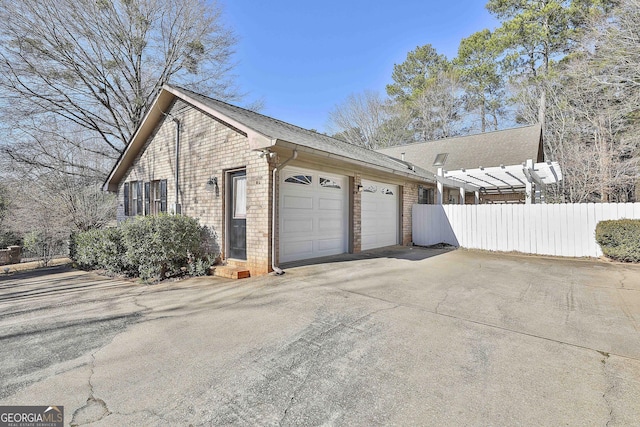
551,229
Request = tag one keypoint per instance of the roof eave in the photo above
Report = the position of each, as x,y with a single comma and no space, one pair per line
301,148
158,108
146,127
257,140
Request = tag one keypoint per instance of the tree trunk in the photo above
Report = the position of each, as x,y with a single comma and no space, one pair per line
542,109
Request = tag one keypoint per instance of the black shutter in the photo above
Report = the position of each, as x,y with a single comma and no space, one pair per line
139,199
163,195
147,188
126,199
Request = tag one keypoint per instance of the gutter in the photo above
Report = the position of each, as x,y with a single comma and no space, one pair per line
176,209
278,271
414,175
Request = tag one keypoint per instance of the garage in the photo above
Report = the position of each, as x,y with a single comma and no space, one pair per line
313,214
379,214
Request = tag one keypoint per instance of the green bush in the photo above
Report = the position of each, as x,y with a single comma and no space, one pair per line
9,238
160,245
620,239
152,247
102,248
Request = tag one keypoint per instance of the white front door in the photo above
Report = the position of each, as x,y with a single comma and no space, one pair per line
313,214
379,214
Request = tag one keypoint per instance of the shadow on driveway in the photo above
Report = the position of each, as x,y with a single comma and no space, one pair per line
409,253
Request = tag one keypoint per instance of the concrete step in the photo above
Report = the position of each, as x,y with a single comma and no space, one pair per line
230,272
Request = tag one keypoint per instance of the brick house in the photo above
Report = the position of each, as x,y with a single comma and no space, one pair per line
273,192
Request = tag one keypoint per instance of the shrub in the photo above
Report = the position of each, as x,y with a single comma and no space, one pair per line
102,248
151,247
45,244
159,245
9,238
620,239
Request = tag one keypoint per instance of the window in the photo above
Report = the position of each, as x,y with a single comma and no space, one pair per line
426,196
299,179
387,191
133,198
156,197
125,190
147,191
370,189
440,159
329,183
152,200
239,197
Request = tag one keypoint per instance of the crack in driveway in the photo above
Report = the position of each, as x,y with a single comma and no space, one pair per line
608,378
94,409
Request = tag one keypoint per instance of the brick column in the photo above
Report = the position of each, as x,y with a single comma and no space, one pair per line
355,217
409,198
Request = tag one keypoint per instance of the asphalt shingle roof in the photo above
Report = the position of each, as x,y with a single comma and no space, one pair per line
505,147
277,129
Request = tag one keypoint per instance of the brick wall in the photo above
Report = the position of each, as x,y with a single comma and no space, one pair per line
356,216
11,255
409,198
208,148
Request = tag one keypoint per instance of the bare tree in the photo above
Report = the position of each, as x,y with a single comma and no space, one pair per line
439,107
366,119
593,130
96,65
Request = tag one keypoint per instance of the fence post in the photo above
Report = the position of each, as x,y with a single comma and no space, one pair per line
530,195
440,186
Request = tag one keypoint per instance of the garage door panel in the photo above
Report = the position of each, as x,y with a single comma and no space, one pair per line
330,204
329,245
379,217
369,207
298,202
313,214
331,225
298,225
290,249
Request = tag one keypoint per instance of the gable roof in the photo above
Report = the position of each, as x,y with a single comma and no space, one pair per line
263,132
504,147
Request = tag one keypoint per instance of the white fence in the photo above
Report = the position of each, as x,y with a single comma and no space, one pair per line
551,229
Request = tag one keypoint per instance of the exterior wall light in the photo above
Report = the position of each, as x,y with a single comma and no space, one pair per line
213,184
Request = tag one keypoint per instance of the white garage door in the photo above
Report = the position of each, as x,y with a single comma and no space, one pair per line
313,214
379,214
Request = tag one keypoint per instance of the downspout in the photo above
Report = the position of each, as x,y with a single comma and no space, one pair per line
177,209
275,268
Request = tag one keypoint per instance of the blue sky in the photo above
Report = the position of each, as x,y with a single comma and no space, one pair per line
303,58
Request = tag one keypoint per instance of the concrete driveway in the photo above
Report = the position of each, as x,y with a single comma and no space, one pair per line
406,336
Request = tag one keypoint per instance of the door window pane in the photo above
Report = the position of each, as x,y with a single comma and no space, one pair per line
239,197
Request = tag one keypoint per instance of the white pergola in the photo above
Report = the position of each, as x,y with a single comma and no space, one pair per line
500,179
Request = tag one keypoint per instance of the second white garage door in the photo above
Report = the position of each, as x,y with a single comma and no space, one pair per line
313,214
379,214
